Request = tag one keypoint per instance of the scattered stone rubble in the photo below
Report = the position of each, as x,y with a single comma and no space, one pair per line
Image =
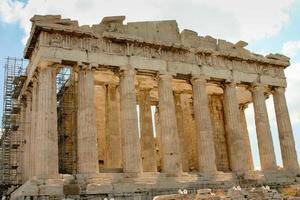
234,193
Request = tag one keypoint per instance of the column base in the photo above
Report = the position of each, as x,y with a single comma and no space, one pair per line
148,184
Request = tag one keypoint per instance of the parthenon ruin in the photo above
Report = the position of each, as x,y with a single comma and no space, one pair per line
145,110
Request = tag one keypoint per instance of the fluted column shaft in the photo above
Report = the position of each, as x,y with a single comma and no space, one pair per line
263,130
205,141
33,122
246,138
171,162
113,132
147,137
180,128
236,148
286,138
87,150
46,163
28,142
158,139
129,123
23,145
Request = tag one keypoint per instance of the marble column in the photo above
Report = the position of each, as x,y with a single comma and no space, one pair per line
204,130
22,144
171,162
286,138
246,137
180,128
113,132
220,140
32,137
46,163
100,109
132,162
87,150
263,130
148,151
158,139
234,133
27,130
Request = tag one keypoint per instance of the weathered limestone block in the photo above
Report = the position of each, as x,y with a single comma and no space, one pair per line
129,124
205,143
263,131
237,193
113,132
233,129
46,163
87,149
172,197
171,162
148,151
218,123
206,194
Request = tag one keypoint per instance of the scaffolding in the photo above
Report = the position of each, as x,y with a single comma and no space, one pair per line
12,123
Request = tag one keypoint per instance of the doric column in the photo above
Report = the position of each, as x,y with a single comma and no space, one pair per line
184,154
33,122
235,142
171,162
87,150
100,109
205,140
22,144
263,131
46,163
113,132
158,139
147,138
220,140
129,123
27,139
246,137
286,138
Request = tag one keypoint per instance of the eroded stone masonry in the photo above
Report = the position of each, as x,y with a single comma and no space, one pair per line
147,110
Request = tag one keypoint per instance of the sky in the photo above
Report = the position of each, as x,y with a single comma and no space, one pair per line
269,26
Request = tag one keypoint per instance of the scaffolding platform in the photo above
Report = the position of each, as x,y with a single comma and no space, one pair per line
11,139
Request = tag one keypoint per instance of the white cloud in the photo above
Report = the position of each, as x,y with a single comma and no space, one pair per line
231,19
291,48
292,74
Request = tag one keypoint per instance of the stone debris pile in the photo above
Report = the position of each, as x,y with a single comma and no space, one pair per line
234,193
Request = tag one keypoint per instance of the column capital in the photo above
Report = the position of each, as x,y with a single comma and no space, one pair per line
165,76
127,71
45,64
82,67
199,79
279,89
224,84
257,86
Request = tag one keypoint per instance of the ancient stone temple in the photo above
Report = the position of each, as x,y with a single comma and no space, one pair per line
146,110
